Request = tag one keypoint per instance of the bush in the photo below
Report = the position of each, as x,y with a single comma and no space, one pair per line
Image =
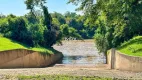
49,38
69,31
36,33
29,31
3,25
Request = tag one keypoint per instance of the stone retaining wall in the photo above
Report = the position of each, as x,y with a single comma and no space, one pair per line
124,62
22,58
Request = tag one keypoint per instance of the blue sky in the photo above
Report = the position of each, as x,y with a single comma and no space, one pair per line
18,7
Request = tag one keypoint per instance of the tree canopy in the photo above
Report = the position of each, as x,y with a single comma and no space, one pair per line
116,20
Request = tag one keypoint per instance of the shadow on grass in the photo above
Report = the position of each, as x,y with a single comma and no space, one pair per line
138,50
27,46
42,52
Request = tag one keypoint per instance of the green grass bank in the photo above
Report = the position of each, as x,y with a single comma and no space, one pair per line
133,47
8,44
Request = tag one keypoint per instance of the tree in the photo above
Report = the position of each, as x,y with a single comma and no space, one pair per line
65,30
122,16
1,15
31,4
47,18
121,20
60,17
36,33
69,31
55,22
70,14
50,33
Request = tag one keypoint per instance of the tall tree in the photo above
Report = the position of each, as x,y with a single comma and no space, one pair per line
31,4
121,20
47,18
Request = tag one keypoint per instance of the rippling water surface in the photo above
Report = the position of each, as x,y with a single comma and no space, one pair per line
80,52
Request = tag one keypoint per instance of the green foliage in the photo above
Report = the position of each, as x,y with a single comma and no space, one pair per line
59,17
55,22
18,29
2,16
69,31
59,37
31,19
121,19
36,33
45,36
28,30
49,38
14,28
3,25
75,21
38,28
31,4
70,14
100,38
65,30
73,33
47,18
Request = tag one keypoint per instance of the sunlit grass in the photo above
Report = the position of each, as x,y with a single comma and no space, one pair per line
7,44
132,47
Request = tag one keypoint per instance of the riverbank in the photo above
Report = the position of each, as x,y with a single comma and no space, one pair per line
133,47
8,44
18,55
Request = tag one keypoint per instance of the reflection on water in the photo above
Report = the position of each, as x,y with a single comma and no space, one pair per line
82,60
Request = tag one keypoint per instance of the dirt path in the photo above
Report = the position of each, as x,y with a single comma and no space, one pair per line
77,71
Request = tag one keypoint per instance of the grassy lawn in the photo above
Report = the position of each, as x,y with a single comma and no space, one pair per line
7,44
132,47
61,77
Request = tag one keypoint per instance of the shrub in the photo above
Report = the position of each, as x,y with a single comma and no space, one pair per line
49,38
36,33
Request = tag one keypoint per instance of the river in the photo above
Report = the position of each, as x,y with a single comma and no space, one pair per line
80,52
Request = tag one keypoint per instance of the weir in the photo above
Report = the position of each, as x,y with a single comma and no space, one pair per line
78,52
22,58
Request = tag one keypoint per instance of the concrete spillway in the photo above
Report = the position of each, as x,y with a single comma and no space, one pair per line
21,58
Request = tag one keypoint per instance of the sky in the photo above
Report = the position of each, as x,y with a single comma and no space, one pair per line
17,7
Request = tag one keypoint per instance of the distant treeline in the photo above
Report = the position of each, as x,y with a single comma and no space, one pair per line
41,28
73,25
32,30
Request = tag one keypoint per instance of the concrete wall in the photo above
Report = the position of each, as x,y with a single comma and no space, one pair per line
110,59
125,62
21,58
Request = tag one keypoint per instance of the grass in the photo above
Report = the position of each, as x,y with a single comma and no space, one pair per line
61,77
132,47
7,44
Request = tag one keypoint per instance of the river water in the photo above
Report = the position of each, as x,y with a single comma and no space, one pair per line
80,52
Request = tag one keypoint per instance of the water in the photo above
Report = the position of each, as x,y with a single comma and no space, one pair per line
82,60
80,52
